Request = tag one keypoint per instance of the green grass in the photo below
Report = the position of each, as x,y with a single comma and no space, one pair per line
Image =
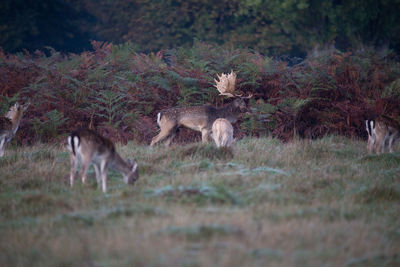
263,202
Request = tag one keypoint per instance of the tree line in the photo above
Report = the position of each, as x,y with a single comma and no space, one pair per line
273,27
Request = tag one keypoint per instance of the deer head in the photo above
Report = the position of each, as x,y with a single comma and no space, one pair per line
17,110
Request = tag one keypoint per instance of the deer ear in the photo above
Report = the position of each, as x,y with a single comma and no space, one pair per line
26,105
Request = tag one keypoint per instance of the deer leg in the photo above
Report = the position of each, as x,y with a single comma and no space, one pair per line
164,133
385,140
2,146
158,138
382,146
169,139
380,143
205,133
74,168
98,174
379,148
396,139
224,140
103,175
371,143
85,166
390,143
392,140
232,142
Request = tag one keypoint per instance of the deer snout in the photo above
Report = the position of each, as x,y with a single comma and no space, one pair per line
132,178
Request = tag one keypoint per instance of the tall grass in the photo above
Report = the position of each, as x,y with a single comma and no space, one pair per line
262,202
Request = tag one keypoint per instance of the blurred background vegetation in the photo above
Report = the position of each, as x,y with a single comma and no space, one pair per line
272,27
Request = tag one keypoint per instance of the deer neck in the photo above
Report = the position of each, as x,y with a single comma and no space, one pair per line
228,112
119,164
15,120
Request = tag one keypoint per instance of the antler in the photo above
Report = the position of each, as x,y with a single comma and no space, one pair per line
226,84
247,97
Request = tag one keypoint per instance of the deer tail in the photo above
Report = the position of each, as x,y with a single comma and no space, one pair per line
159,118
74,142
370,125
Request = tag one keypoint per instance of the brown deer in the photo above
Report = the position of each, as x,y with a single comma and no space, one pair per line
9,125
222,133
200,118
88,147
382,130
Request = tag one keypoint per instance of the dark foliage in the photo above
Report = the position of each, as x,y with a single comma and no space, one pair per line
274,27
119,91
31,25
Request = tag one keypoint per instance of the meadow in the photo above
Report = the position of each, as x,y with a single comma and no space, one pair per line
261,203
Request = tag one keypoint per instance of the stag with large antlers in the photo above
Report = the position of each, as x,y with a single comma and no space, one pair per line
201,118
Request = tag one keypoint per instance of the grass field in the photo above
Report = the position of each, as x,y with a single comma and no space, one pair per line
262,203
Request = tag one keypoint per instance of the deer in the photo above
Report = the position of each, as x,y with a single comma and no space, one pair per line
10,123
201,118
89,147
382,130
222,133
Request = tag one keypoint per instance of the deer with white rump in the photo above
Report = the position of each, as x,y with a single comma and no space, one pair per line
9,124
201,118
381,131
222,133
88,147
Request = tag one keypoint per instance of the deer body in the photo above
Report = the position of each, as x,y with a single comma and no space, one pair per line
222,132
9,125
382,130
198,118
88,147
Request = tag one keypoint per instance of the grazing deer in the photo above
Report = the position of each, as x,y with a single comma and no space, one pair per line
9,125
88,147
382,130
201,118
222,133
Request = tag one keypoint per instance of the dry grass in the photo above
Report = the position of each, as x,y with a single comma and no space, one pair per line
262,203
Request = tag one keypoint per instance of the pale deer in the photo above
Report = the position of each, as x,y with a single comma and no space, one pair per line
88,147
200,118
9,124
222,133
382,130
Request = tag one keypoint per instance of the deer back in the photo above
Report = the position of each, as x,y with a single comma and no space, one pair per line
91,143
198,117
194,118
391,124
